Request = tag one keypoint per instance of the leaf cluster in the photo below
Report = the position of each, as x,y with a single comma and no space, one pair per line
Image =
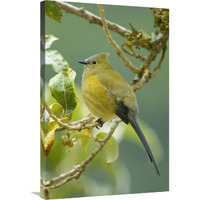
161,19
62,90
138,39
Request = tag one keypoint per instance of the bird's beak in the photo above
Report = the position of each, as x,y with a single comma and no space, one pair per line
82,62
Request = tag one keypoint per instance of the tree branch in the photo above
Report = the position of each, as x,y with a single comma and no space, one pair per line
115,45
77,170
141,81
81,12
132,53
78,125
147,75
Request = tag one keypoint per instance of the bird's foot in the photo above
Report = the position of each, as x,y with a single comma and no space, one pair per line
100,123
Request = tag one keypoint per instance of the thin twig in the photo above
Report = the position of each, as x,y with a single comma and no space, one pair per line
132,53
115,45
157,68
62,182
84,120
81,12
77,170
142,81
157,46
147,75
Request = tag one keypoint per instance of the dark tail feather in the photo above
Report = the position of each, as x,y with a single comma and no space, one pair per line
140,134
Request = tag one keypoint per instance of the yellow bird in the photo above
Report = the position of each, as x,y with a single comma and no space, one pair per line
108,96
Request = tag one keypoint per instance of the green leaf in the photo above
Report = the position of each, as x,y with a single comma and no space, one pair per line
57,110
56,60
49,39
53,57
111,148
62,89
84,138
53,10
85,141
47,136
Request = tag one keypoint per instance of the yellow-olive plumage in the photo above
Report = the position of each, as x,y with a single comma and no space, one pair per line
108,96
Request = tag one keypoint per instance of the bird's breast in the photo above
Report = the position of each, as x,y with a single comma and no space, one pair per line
98,98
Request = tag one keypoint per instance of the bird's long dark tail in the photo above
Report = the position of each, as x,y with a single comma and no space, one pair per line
140,134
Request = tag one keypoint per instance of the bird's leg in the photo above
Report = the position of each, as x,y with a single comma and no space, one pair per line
100,123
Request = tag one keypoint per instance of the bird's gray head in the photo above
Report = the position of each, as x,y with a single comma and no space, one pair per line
95,60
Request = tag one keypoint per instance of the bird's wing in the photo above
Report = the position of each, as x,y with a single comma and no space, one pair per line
116,84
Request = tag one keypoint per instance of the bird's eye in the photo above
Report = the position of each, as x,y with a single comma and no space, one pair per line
94,62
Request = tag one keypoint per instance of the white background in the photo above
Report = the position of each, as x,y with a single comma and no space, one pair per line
19,90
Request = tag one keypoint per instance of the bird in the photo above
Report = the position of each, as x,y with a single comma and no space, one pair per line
109,96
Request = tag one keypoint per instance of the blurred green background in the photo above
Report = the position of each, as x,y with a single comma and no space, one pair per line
132,172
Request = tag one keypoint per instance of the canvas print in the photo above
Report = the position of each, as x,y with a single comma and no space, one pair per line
104,111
